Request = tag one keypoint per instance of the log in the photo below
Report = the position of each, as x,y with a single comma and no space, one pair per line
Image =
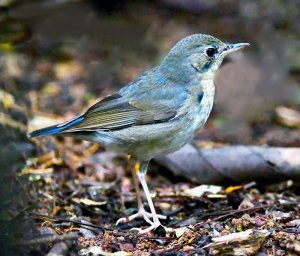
234,164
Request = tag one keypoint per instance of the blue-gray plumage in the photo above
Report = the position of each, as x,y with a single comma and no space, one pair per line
158,112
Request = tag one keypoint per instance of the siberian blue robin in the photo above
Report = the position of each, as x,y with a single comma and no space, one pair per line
157,113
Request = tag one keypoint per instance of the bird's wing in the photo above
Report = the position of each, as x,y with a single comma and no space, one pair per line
118,111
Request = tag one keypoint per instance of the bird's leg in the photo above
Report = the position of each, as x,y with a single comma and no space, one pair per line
141,174
156,223
136,185
141,210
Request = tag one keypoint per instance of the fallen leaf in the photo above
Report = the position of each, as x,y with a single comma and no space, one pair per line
288,116
243,243
200,190
97,250
232,188
180,231
7,99
88,202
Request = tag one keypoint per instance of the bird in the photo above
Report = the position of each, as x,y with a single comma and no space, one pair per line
155,114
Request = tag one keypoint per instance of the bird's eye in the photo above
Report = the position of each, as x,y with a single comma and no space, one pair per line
210,52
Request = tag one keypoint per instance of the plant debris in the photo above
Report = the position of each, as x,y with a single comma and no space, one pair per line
241,220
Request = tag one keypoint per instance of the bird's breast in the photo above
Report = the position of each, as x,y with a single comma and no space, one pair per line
204,99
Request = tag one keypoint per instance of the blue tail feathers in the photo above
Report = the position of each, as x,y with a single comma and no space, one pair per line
55,129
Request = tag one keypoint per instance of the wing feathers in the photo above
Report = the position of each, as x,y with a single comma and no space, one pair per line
120,111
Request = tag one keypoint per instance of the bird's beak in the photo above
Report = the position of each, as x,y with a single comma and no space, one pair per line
229,48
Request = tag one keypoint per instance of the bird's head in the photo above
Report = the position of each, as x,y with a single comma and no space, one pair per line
200,53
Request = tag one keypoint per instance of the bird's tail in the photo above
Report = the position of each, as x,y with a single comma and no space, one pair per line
55,129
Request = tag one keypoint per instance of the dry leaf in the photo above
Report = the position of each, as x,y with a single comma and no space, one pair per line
7,99
200,190
97,250
243,243
88,202
288,116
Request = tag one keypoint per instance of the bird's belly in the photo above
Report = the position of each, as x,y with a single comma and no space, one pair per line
148,141
157,140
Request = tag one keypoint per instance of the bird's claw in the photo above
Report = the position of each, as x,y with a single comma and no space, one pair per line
134,216
141,213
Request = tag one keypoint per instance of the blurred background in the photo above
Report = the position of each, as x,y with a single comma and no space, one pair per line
58,57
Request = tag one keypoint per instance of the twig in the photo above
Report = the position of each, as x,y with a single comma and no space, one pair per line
47,239
288,230
157,237
55,218
233,212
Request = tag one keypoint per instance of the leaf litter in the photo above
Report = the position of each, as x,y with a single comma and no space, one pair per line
86,195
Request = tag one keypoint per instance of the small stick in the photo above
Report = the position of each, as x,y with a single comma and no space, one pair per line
233,212
48,239
72,221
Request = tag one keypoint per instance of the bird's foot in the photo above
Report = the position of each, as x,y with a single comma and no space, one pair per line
141,213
